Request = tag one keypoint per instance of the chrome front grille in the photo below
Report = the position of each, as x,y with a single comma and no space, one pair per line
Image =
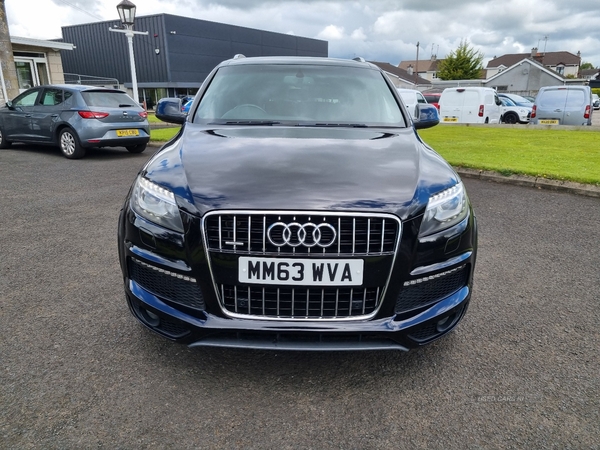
229,235
357,234
300,303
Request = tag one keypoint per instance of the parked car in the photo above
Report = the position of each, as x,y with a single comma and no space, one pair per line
433,98
529,97
186,108
517,99
470,105
411,97
512,113
563,105
75,118
298,209
595,101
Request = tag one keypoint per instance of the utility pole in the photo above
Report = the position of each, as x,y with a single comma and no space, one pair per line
417,67
8,71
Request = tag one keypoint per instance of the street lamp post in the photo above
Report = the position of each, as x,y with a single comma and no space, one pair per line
126,11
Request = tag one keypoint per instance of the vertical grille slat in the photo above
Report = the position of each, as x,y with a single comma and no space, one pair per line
251,233
300,303
354,234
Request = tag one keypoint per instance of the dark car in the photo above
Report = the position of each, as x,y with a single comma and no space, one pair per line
298,209
75,118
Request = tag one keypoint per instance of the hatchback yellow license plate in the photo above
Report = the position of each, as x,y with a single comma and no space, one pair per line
549,122
122,133
450,119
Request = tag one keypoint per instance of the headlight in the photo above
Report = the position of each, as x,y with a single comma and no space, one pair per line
444,210
156,204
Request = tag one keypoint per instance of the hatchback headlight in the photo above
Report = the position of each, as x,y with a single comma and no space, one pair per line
444,210
156,204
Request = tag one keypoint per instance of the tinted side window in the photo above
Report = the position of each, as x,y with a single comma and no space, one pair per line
52,97
26,99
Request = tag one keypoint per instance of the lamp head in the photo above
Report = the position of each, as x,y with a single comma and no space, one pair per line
126,11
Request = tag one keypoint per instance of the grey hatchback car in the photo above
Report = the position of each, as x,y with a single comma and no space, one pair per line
75,118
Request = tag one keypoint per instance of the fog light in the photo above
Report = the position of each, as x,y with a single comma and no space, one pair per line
150,318
445,323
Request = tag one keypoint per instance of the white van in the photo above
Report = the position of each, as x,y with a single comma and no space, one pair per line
470,105
411,97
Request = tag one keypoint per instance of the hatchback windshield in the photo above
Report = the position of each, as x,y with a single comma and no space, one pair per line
302,95
107,99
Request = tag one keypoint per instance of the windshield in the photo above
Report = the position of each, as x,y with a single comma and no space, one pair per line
107,99
520,101
324,95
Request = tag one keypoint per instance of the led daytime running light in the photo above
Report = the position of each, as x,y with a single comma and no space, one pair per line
433,277
155,188
166,272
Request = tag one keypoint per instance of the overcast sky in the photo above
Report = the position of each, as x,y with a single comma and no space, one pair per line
378,30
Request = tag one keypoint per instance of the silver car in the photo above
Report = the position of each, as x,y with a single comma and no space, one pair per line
563,105
75,118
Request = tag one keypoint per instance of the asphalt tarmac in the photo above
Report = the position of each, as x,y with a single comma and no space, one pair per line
77,371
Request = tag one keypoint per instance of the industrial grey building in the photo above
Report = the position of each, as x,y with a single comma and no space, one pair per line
176,55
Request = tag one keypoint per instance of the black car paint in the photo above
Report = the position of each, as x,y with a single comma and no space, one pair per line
210,168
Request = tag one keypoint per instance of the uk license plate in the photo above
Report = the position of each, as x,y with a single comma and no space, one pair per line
122,133
301,272
549,121
450,119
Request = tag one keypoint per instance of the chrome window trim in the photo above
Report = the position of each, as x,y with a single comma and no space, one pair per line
380,295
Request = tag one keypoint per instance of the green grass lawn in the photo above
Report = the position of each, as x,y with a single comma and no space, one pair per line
162,134
572,155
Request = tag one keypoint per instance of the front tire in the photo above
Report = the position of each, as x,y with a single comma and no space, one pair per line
69,144
136,148
3,142
510,118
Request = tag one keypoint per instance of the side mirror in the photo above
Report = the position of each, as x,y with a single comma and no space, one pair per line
169,110
426,116
9,104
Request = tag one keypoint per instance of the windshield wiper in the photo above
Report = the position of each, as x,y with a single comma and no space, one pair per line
341,125
247,122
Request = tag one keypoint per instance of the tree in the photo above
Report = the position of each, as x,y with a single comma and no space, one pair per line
586,65
7,62
464,63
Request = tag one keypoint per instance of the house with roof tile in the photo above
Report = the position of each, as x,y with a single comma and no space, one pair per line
565,64
402,78
426,68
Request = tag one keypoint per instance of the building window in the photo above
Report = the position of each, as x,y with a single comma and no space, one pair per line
31,72
560,69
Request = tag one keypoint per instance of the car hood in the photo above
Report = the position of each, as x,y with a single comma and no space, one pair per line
298,168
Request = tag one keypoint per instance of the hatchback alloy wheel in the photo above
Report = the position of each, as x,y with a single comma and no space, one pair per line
69,145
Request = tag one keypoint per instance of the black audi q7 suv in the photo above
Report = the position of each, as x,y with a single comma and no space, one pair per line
298,209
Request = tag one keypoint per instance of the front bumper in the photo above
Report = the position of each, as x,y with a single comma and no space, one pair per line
209,330
203,322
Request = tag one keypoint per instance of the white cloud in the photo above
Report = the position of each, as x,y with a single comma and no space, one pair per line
331,33
383,30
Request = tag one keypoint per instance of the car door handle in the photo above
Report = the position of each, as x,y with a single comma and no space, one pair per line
54,115
27,115
557,110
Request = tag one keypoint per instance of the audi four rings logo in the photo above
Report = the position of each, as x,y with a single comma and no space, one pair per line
295,234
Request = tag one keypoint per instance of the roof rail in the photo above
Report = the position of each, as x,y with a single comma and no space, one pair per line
238,56
359,59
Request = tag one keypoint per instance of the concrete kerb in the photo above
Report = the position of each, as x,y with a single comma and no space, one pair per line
588,190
